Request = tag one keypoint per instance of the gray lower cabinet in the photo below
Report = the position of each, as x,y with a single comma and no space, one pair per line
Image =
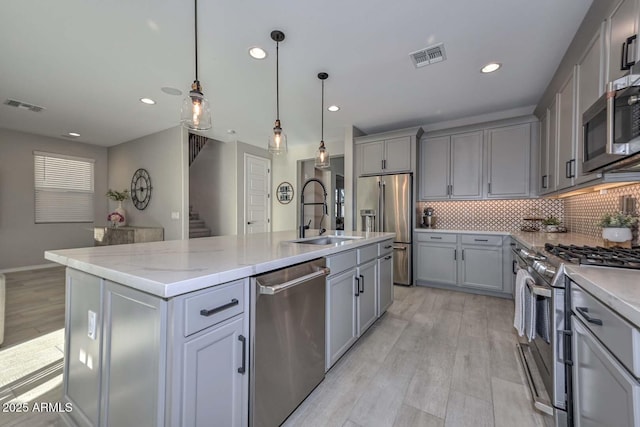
367,275
604,393
437,262
481,267
134,359
342,327
385,283
465,261
213,388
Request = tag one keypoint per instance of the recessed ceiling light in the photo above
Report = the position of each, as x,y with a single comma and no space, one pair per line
147,101
333,108
491,67
257,53
73,134
171,91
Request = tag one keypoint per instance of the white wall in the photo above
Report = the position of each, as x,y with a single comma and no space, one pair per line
285,169
216,185
22,242
163,155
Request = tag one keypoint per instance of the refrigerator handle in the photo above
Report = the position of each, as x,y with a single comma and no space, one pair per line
382,205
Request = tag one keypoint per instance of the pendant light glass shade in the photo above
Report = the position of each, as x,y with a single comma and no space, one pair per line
322,160
278,139
196,112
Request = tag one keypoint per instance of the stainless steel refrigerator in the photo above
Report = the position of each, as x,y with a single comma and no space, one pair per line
384,203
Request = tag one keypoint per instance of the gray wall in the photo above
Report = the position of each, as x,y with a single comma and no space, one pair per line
163,155
22,242
216,185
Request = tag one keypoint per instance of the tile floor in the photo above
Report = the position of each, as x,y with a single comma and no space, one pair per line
437,358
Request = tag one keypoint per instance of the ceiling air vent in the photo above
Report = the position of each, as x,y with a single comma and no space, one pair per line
428,55
23,105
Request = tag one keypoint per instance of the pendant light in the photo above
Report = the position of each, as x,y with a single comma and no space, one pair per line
278,140
196,113
322,155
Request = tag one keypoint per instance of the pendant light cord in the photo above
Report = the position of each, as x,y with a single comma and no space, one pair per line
322,115
277,83
196,35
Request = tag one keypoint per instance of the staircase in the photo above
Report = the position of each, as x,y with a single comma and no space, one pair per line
197,227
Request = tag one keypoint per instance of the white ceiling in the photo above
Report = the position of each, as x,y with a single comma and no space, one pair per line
89,61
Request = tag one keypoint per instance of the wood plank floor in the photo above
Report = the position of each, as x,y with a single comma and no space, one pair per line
31,356
437,358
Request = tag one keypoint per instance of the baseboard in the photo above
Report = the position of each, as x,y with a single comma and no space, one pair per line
29,267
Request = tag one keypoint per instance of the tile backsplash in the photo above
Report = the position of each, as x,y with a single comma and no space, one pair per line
490,215
582,213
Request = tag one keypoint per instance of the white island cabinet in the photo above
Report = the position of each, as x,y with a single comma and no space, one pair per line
157,334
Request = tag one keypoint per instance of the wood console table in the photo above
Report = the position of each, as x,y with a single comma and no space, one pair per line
103,236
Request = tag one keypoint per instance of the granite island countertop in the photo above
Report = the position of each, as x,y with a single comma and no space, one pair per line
175,267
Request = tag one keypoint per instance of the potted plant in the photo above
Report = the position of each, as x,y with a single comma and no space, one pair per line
551,224
119,216
617,227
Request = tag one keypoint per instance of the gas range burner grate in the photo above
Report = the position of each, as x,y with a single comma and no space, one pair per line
597,255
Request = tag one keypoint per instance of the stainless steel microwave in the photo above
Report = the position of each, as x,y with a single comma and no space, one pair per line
611,130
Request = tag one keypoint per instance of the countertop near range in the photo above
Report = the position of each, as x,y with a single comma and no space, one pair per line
539,238
171,268
618,288
528,239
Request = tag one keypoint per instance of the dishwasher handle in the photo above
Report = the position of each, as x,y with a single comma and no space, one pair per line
272,290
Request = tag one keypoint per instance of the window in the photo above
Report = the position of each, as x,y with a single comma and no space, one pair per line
64,188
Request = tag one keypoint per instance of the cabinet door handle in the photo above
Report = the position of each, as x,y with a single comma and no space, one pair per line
489,188
242,369
572,168
357,285
251,222
481,240
625,64
388,246
513,266
361,282
207,313
545,179
387,257
566,169
584,312
463,254
455,254
435,238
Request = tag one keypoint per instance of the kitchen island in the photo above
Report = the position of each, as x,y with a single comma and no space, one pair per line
157,333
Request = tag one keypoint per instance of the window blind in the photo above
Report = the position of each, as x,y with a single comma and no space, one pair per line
63,188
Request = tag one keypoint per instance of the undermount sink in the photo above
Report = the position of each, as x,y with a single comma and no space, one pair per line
325,240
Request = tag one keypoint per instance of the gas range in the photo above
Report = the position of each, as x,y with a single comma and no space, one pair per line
595,255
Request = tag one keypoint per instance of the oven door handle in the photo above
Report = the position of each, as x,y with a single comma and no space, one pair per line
542,291
561,335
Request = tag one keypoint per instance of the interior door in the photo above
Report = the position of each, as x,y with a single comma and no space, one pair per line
257,202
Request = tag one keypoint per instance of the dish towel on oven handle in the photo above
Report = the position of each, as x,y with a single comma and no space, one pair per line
525,306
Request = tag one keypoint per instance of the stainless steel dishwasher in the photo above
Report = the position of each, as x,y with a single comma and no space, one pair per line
288,340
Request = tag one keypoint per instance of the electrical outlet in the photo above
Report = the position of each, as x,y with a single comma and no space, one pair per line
175,215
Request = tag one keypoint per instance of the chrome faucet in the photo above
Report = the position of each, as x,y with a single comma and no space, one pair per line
325,208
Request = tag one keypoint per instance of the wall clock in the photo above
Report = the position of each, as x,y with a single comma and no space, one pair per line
141,189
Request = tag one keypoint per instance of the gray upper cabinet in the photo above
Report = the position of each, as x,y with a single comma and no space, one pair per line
371,157
434,168
392,152
543,175
621,24
508,158
590,85
566,134
451,167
